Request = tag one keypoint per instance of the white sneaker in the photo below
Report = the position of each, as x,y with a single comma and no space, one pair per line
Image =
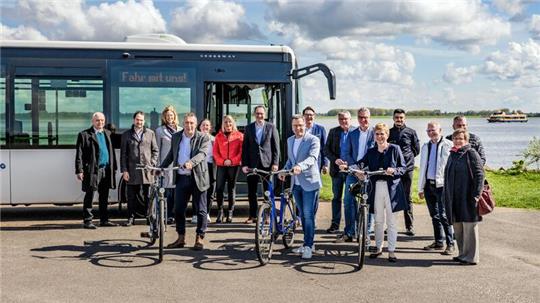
298,250
194,219
307,253
207,218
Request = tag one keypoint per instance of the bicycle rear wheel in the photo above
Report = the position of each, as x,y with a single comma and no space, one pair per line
161,227
361,236
264,238
289,223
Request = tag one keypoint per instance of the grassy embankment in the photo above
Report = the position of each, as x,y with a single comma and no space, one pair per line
518,191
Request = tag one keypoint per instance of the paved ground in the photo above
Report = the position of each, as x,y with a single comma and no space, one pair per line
47,257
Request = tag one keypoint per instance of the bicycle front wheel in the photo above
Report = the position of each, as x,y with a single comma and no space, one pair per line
161,227
289,223
264,238
361,236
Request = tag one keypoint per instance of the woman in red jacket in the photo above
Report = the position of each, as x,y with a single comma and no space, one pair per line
227,157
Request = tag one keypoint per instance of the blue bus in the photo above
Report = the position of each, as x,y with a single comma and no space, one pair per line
49,90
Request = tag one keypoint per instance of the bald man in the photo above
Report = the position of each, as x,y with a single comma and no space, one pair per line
95,167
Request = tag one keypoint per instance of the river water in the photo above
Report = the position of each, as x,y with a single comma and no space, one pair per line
503,142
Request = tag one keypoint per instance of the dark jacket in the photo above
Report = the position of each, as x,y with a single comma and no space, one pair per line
391,157
87,159
134,151
476,144
318,131
407,139
462,183
199,148
332,148
264,155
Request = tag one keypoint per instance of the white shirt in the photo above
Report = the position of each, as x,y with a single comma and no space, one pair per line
184,154
362,141
296,145
210,152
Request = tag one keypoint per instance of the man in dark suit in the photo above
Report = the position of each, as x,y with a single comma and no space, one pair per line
189,148
138,147
318,131
260,149
333,149
95,166
407,139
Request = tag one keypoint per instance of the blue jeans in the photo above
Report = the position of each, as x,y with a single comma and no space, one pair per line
338,182
437,212
351,209
306,201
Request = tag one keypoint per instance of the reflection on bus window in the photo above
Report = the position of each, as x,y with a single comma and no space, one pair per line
151,100
51,112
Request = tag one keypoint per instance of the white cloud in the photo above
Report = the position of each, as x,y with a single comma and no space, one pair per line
458,75
76,20
534,27
461,24
20,33
207,21
520,63
117,20
510,7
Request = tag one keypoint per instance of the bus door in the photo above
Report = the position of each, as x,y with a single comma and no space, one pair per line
239,100
48,113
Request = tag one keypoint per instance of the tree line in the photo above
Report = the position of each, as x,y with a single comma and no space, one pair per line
425,112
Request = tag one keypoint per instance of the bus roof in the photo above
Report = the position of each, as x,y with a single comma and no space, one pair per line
146,46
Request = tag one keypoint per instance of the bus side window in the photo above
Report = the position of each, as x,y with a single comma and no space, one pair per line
19,137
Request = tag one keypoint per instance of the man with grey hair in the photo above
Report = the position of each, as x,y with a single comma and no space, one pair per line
333,150
474,141
433,157
358,142
95,167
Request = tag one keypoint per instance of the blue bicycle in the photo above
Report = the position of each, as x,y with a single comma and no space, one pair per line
273,222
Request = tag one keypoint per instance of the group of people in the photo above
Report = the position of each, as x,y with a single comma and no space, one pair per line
451,173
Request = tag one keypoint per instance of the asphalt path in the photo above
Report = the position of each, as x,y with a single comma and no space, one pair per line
47,257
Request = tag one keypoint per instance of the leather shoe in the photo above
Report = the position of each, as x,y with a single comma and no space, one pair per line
410,232
107,224
89,225
179,243
333,229
199,243
375,255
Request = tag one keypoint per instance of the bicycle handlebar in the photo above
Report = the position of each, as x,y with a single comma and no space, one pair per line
366,173
161,169
256,171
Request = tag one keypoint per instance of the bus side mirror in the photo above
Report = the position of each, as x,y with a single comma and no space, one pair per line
328,73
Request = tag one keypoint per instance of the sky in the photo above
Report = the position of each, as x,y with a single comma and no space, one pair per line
449,55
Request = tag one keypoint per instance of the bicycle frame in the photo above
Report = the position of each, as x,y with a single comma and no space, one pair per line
279,228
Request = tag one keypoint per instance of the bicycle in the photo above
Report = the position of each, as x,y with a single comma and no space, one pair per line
157,207
273,222
361,189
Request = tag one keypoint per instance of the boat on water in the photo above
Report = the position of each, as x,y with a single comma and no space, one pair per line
501,116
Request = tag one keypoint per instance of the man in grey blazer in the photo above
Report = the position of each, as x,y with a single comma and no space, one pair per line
138,146
189,148
303,150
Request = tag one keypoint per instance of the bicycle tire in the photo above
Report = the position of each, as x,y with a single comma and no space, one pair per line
361,236
289,223
152,216
264,239
161,227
